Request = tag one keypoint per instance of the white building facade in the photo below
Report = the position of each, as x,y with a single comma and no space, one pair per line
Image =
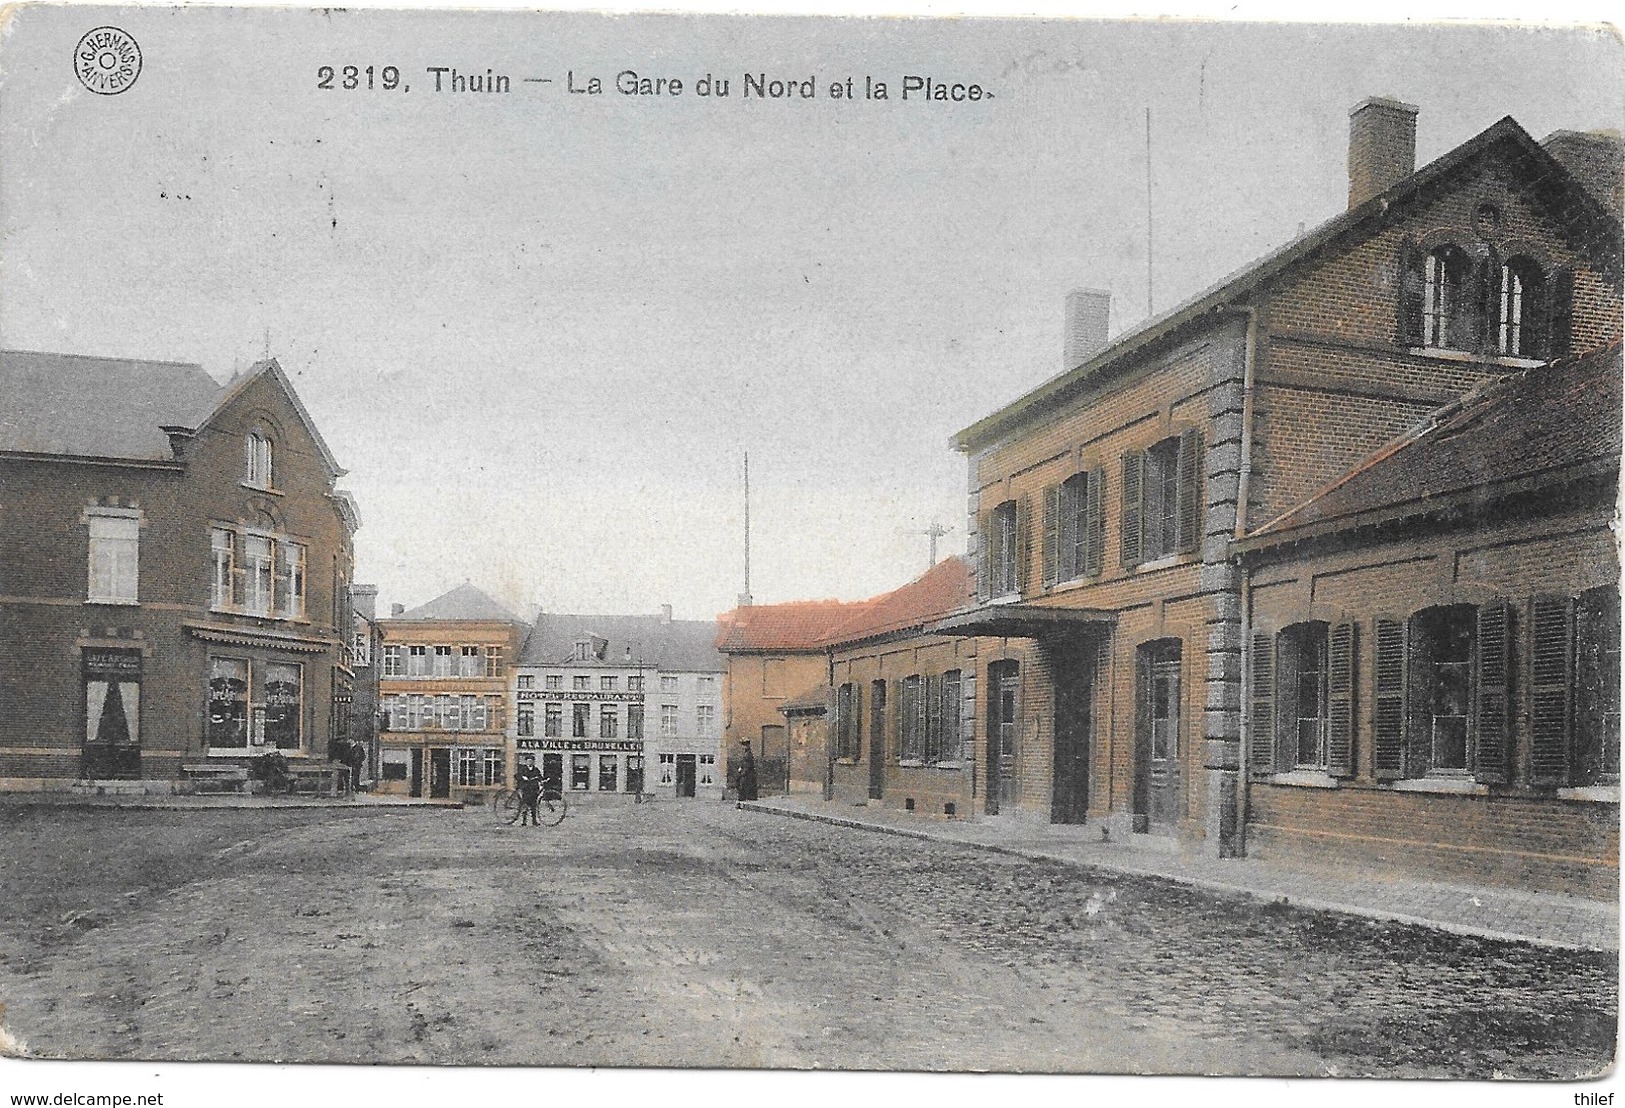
620,704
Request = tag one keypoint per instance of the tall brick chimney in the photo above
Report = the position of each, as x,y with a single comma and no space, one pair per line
1087,311
1597,161
1382,147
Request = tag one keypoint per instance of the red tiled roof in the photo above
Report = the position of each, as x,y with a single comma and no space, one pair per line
941,590
1536,424
797,626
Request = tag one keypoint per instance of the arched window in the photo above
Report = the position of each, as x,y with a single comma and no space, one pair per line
1519,309
1445,308
257,454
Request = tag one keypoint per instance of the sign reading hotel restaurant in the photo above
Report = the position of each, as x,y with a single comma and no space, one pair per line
608,746
575,694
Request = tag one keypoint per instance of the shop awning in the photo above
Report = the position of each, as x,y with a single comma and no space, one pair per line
1021,621
237,636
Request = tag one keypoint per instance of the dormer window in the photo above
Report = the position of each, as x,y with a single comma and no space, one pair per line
257,454
1520,310
1445,315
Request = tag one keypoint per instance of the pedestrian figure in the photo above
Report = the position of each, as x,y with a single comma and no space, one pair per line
747,775
529,780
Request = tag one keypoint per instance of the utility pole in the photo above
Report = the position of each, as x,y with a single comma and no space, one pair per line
934,532
744,597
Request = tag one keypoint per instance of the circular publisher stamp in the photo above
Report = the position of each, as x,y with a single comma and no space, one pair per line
107,60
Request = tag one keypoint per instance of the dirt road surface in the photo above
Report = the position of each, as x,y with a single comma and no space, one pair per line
693,934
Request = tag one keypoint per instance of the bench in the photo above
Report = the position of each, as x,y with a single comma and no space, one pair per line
215,778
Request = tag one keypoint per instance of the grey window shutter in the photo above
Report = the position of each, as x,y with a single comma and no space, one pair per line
1024,543
1094,543
933,719
1052,534
1388,723
984,557
1409,287
1261,738
1190,492
1551,648
1342,647
1560,313
1133,505
1069,503
1493,724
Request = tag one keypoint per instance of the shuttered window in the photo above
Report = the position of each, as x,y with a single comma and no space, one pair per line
1342,650
1052,537
1162,499
1493,723
1551,632
1094,525
1388,709
1596,687
1261,718
1002,554
877,720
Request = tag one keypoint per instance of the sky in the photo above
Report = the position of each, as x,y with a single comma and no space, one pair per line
542,329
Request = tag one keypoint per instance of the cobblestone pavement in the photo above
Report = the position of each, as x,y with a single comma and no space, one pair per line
674,934
1553,919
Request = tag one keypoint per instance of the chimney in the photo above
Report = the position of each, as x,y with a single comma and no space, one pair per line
397,610
1594,158
1382,147
1086,324
364,599
665,613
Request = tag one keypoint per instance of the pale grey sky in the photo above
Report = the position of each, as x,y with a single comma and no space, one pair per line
540,329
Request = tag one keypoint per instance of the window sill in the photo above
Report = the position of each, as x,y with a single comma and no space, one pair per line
261,488
1591,794
1166,561
1305,779
1007,598
1072,583
1449,354
1457,786
111,603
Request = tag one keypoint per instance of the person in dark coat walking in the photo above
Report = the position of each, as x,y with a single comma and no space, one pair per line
747,775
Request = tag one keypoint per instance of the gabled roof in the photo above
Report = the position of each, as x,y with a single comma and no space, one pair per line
1533,430
1561,193
465,604
270,368
943,589
797,627
71,404
641,642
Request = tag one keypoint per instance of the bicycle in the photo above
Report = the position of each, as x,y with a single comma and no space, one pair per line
510,805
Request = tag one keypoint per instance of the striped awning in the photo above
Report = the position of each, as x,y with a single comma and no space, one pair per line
241,636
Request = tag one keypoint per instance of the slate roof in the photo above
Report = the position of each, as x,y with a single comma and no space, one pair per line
464,603
677,645
799,626
77,405
99,407
1534,429
1569,202
941,590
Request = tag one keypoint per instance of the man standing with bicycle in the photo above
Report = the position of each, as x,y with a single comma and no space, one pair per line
529,781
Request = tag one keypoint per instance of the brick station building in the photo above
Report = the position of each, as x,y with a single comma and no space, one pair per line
1433,646
1108,503
1362,456
174,574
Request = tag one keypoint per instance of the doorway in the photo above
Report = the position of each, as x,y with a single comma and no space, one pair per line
1003,715
1157,740
552,775
417,773
439,773
1072,665
877,738
685,775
